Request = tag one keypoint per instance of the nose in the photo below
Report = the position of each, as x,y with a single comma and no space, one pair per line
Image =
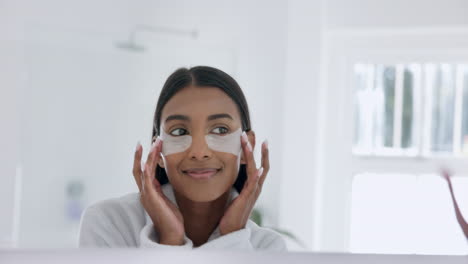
199,149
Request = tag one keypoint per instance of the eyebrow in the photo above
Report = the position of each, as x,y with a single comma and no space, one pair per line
187,118
177,117
219,116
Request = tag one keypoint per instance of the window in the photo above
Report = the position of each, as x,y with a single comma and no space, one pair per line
411,109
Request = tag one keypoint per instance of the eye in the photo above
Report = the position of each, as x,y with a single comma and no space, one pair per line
178,132
220,130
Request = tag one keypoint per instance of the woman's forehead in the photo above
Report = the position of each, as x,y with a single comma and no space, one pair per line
199,103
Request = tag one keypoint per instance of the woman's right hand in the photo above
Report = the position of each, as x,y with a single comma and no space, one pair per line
446,175
166,217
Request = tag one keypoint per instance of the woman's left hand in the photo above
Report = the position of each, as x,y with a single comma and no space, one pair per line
238,212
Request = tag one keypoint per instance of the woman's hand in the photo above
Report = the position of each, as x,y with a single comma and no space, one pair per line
461,220
166,217
238,212
446,174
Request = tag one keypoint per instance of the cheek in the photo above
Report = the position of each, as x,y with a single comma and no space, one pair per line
231,163
171,163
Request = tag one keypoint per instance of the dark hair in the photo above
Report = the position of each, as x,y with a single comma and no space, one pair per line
202,76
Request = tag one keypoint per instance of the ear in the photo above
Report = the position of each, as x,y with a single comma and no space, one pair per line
251,137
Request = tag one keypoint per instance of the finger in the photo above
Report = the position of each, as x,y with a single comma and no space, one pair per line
150,166
265,163
258,190
151,155
146,169
252,177
248,155
150,195
154,156
137,165
157,185
447,175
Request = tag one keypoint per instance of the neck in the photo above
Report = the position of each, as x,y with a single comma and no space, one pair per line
201,218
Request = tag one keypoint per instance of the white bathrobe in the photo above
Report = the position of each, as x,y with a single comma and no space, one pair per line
123,222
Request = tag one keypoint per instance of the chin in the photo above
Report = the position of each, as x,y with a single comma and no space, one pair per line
200,197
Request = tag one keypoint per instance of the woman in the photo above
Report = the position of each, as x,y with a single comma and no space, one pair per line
200,181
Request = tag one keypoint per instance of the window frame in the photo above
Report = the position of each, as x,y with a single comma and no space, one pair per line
422,109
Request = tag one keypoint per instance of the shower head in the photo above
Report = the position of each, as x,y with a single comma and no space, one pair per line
130,46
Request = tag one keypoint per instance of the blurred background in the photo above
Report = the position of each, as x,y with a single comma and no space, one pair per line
362,103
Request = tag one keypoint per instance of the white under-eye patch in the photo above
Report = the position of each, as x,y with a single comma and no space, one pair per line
229,143
174,144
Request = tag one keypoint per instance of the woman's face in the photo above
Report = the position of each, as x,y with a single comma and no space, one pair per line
200,111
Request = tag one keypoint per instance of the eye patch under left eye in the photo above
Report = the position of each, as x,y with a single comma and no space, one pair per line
230,143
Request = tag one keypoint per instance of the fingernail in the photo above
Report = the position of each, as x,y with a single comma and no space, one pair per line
138,145
266,143
249,146
246,139
158,140
244,136
260,171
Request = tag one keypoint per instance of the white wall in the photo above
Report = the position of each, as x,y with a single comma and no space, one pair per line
397,13
11,77
300,132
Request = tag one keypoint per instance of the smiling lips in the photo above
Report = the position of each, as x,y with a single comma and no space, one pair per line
201,173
